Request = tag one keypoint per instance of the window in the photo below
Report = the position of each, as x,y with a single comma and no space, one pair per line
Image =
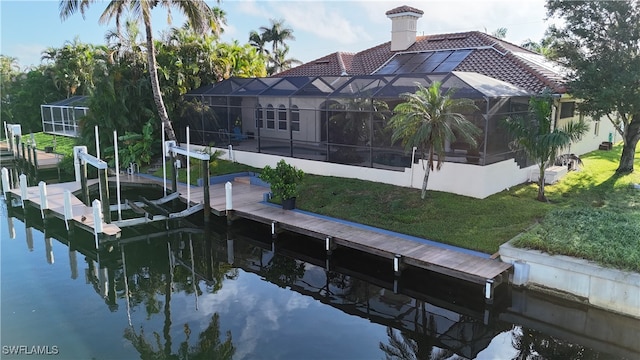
596,128
259,119
295,118
271,122
282,117
567,109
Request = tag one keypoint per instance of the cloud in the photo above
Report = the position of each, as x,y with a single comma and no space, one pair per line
251,7
322,22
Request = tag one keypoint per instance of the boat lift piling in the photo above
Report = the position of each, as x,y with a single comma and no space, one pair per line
81,159
172,149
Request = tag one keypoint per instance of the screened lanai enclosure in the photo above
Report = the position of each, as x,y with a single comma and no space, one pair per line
342,119
62,117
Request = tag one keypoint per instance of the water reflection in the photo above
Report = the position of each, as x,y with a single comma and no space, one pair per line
421,315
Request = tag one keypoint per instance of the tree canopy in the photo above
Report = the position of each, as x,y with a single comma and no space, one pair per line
198,14
600,43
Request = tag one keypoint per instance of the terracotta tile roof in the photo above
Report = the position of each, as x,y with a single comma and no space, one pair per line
490,56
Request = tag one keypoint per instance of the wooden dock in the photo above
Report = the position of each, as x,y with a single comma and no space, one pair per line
82,214
248,203
449,262
29,160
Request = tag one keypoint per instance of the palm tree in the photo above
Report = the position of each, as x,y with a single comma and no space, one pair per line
218,21
9,73
198,14
281,62
429,120
537,136
500,33
544,47
73,66
277,34
259,42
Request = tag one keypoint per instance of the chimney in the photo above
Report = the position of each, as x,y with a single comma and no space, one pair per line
403,26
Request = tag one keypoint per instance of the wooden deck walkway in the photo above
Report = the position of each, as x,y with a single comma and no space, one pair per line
449,262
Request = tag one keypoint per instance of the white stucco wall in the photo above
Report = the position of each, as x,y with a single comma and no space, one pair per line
598,130
468,180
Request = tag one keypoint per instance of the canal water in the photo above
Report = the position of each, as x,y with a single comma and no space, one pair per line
178,291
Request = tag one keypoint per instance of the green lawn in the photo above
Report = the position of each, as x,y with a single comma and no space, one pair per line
596,215
63,145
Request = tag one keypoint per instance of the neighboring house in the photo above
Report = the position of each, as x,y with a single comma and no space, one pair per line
62,117
333,110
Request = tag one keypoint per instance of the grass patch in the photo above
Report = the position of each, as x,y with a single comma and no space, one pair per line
216,167
61,144
597,216
481,225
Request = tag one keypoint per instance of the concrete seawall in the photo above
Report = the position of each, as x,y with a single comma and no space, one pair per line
605,288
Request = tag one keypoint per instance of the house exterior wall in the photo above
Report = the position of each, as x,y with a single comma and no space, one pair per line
309,117
453,177
594,137
598,132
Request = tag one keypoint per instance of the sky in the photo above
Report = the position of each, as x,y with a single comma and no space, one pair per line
320,27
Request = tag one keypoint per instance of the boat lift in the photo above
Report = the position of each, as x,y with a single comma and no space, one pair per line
150,209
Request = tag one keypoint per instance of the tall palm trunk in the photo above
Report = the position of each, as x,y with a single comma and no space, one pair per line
631,138
155,83
541,181
424,183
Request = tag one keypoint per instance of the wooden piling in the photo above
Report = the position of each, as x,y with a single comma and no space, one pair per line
104,195
83,183
206,198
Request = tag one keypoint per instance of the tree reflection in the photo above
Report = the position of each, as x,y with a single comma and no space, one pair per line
168,277
409,346
208,346
283,271
535,345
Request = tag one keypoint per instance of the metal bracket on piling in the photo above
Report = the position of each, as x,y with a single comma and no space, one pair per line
488,291
329,245
397,265
274,228
487,316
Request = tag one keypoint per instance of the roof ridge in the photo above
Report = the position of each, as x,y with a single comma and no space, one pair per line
531,69
501,43
341,63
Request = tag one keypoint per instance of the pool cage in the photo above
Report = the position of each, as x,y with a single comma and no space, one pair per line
343,119
62,117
